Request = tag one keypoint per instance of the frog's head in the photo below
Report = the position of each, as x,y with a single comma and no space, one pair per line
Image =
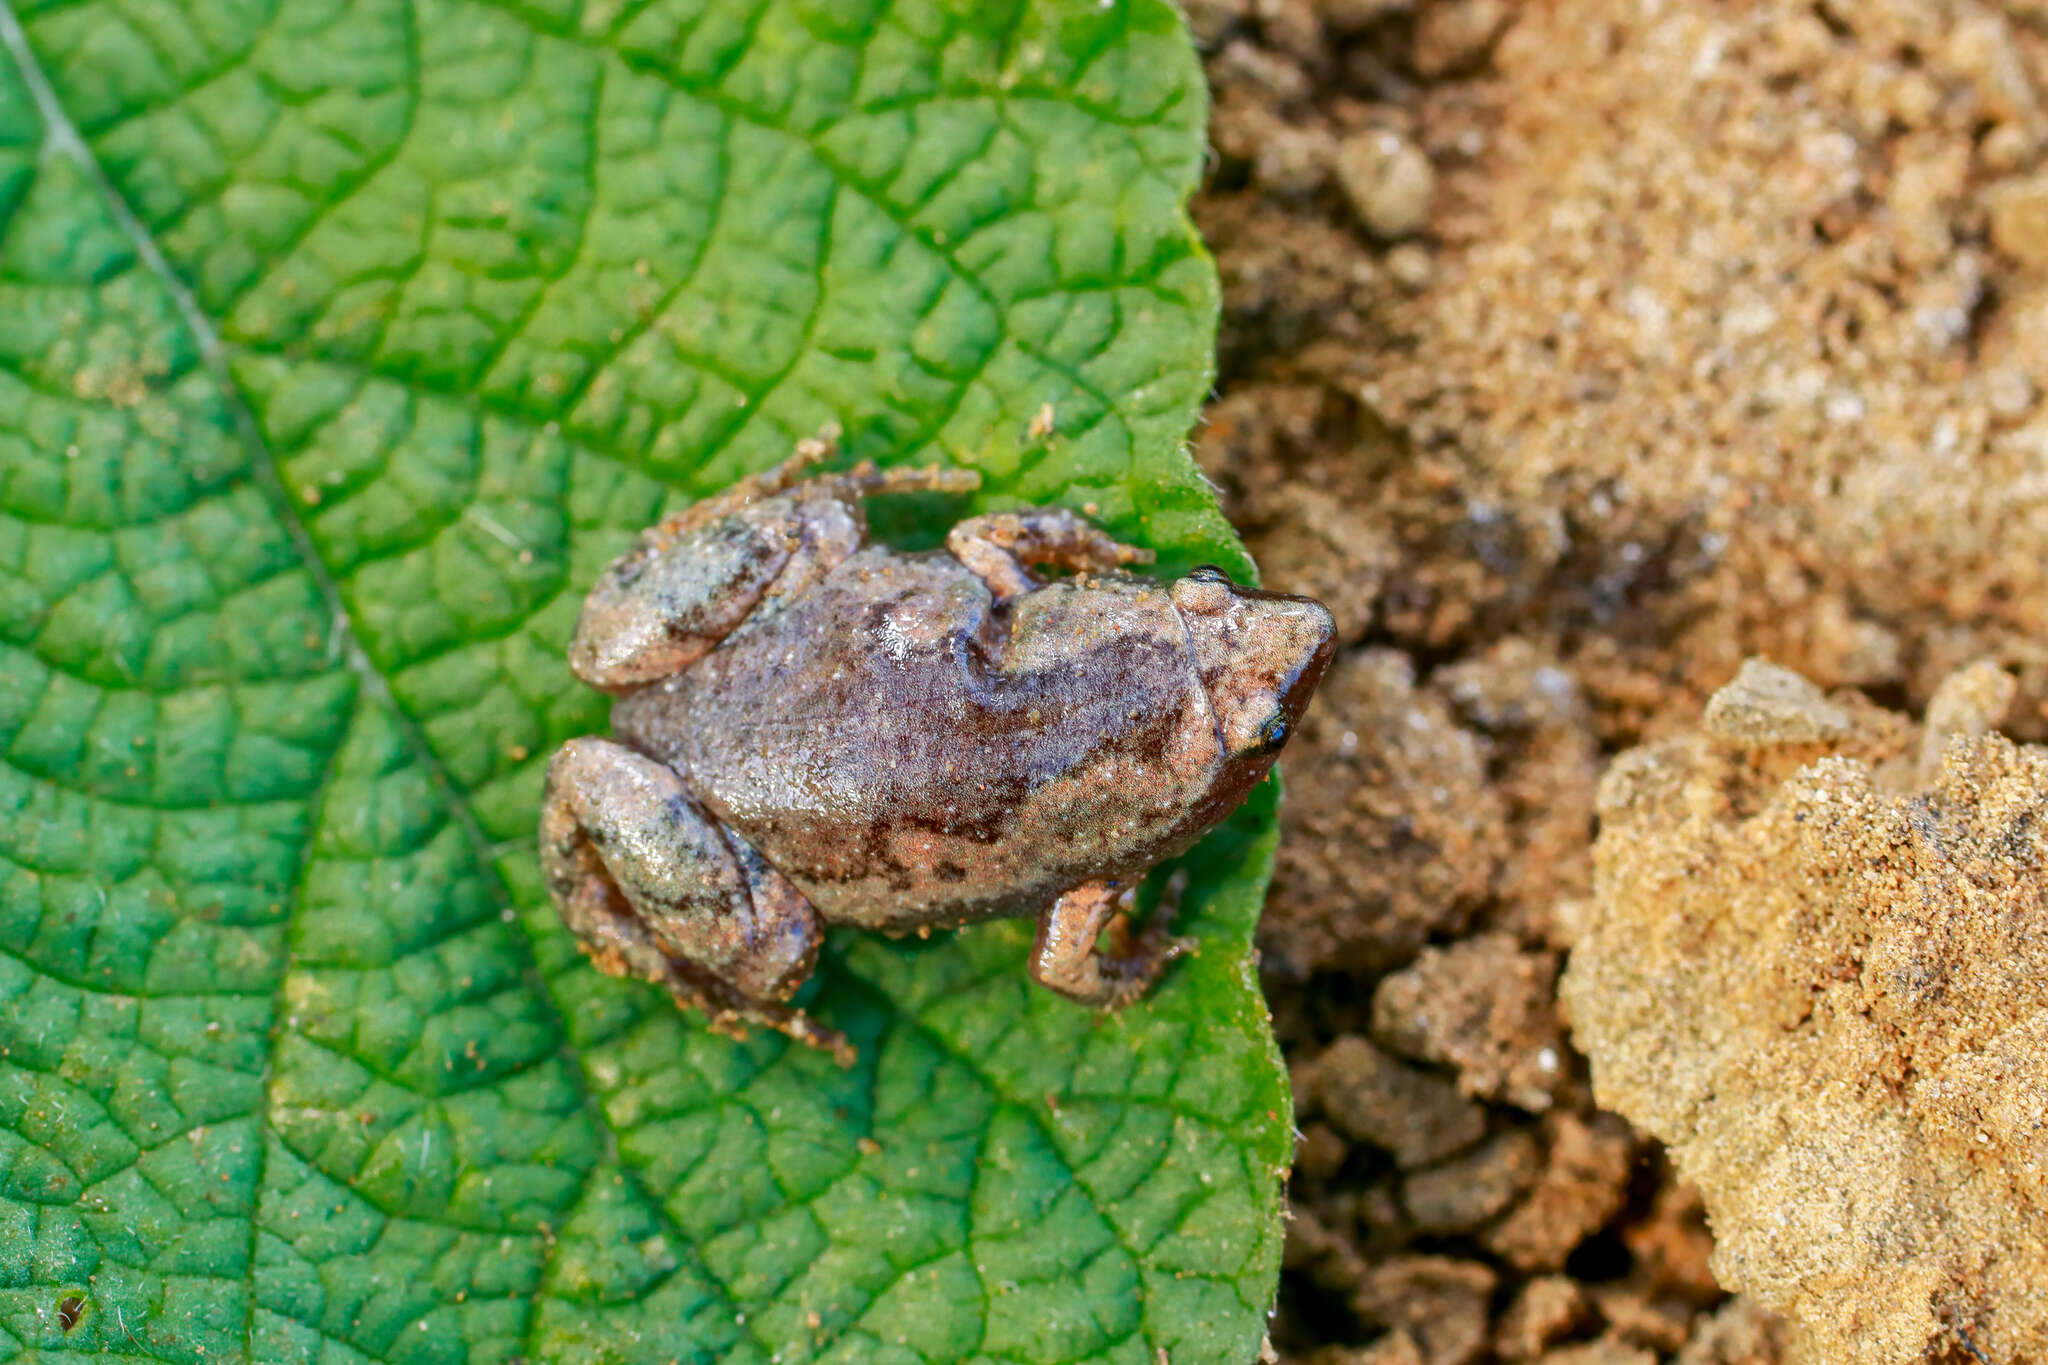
1260,655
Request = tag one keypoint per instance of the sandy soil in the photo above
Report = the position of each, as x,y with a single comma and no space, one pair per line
1815,965
1574,351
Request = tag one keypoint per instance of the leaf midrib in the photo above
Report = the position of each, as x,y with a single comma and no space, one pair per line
61,138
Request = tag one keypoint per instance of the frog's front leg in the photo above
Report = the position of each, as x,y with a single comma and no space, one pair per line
1065,958
997,547
655,889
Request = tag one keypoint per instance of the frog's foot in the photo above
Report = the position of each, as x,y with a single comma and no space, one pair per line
619,944
653,889
1065,958
997,548
810,452
867,479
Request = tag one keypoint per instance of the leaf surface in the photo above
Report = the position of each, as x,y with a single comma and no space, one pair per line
341,343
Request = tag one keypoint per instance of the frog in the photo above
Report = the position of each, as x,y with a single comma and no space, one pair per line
810,729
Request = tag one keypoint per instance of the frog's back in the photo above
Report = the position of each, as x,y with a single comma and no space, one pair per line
908,753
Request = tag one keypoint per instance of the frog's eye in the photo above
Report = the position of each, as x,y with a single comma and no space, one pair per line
1273,734
1209,573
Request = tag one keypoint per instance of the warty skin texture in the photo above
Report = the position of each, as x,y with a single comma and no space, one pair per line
813,730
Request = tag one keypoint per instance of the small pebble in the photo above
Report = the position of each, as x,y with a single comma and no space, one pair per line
1455,35
2019,220
1294,162
1411,266
1388,181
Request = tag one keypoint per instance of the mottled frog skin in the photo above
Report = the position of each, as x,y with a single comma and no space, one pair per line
815,730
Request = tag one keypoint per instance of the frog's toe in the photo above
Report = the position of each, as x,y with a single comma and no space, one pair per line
997,547
724,1009
1133,972
734,1014
867,480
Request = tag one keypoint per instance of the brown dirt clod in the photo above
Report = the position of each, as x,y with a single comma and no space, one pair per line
1469,1191
1583,1184
1414,1116
1483,1007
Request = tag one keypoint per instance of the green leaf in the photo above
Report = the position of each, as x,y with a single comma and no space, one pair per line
341,343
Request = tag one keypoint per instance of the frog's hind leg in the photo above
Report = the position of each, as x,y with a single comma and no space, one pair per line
685,585
654,889
694,578
1065,958
997,547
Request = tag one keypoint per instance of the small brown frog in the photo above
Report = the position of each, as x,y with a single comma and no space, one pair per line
814,730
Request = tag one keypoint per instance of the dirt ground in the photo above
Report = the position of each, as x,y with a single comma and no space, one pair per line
1573,351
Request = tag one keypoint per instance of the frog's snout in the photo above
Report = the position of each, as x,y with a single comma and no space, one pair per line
1261,655
1306,633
